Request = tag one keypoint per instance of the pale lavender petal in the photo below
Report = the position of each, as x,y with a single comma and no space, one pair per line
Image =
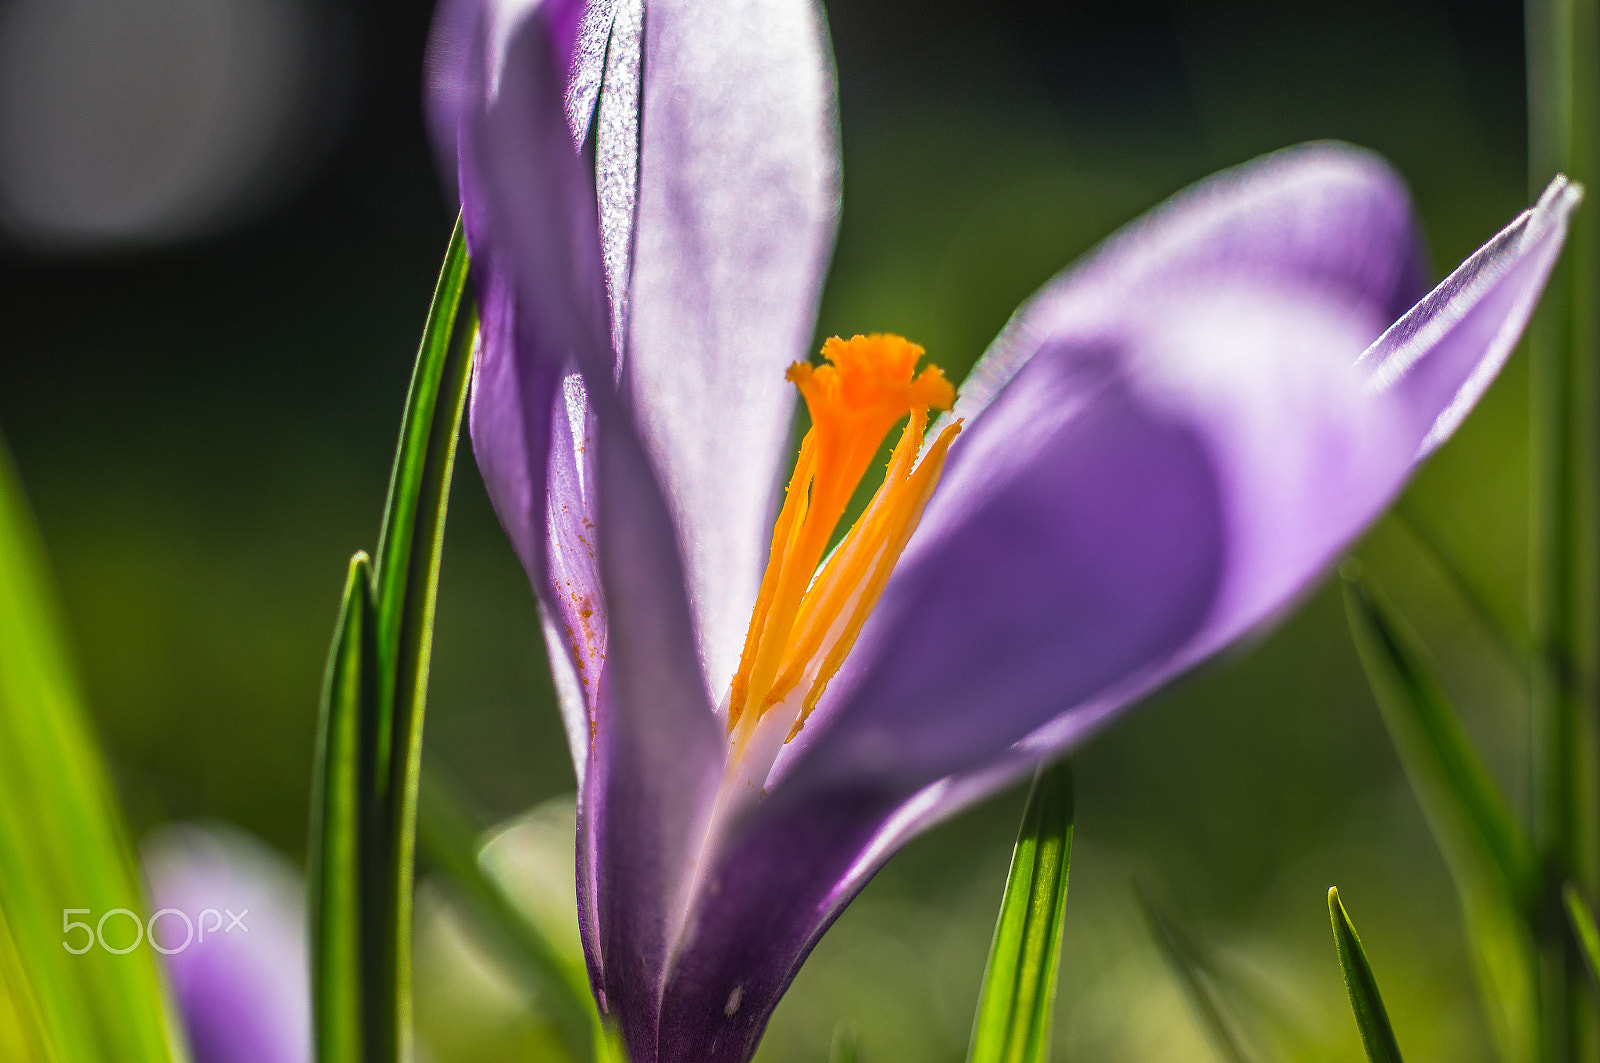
528,199
575,489
229,919
1443,355
497,93
577,34
574,604
658,749
738,203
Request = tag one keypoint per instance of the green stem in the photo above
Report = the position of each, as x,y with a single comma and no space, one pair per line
1563,39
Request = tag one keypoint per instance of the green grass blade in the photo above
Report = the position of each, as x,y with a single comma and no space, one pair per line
407,562
336,838
845,1048
1377,1035
1016,1003
1583,927
447,839
62,842
1490,858
1450,779
375,864
1186,963
1562,38
410,547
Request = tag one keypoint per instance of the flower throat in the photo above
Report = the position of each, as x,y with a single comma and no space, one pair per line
802,627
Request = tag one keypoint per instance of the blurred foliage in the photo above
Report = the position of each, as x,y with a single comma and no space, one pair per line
62,843
1496,870
185,422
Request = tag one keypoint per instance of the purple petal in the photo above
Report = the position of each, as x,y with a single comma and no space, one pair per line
497,98
658,748
509,416
769,899
737,208
577,34
229,919
1441,357
717,299
574,609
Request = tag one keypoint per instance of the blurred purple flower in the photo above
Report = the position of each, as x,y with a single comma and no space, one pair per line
230,922
1166,446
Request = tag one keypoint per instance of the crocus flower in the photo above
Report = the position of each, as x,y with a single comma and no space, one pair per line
1165,446
229,922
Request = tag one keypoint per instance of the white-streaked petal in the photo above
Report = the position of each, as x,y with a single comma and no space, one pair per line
1443,354
738,204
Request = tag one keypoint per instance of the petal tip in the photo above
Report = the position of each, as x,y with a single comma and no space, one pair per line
1560,197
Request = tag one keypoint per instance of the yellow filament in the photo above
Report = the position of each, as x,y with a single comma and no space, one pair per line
803,627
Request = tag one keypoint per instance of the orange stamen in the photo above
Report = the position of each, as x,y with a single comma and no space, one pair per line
805,622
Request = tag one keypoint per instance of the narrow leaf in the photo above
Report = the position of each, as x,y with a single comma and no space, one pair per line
1371,1019
1582,921
64,855
1190,968
406,569
372,725
1017,1002
1450,779
409,543
335,843
1491,860
447,838
844,1048
1562,44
